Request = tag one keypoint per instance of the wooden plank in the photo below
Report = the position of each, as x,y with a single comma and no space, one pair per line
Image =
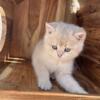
85,82
22,78
19,29
89,18
15,95
21,85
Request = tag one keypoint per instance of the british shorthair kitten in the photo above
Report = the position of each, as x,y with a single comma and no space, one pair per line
56,53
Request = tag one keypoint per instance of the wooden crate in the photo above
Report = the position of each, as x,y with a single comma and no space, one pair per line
25,26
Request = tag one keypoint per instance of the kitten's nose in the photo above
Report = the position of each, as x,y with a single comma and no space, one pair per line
60,53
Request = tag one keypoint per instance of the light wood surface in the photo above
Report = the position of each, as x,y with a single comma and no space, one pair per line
15,95
21,85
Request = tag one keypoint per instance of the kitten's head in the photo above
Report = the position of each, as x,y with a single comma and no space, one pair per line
64,41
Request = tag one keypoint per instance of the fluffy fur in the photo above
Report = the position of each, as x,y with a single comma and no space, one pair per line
55,53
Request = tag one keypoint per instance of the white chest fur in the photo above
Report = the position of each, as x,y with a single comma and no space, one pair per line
56,65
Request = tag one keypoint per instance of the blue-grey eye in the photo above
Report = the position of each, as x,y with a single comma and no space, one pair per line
67,50
54,47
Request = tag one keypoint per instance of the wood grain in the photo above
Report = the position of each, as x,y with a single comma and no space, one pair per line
61,9
7,19
15,95
21,85
89,18
30,28
19,36
22,78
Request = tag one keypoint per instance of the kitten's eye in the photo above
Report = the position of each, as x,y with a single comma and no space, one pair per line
54,47
67,50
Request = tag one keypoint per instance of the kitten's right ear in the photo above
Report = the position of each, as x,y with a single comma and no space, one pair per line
49,28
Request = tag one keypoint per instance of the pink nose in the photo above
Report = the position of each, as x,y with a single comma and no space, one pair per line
59,53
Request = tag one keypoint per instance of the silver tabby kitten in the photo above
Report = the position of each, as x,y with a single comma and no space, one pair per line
55,53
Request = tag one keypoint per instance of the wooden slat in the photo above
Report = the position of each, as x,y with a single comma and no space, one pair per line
19,29
21,84
15,95
22,78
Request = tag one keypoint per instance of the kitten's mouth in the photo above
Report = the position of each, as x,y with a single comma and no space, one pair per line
60,54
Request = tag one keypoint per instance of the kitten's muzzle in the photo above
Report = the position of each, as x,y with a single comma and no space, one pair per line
60,53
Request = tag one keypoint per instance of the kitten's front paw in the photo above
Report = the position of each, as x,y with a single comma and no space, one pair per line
81,91
84,92
45,85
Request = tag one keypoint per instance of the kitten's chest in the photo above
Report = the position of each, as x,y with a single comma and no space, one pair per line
57,66
52,65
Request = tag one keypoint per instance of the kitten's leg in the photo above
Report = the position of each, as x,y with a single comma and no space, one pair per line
43,78
69,83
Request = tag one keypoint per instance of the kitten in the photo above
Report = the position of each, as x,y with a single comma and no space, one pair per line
55,53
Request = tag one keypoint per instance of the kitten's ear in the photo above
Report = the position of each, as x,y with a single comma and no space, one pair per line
80,35
49,28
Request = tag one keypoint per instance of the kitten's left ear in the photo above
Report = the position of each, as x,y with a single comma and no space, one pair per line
49,28
80,35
